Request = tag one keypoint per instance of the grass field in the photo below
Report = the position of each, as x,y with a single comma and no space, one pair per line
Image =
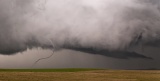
78,75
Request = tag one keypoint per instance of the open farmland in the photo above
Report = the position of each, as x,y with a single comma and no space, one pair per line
78,75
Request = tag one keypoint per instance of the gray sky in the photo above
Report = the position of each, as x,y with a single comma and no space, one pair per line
74,59
85,33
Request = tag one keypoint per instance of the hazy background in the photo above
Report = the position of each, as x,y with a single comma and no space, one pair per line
74,59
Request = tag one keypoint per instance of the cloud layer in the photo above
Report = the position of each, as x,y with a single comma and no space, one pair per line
97,24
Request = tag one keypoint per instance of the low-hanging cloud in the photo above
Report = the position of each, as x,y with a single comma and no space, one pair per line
114,54
112,25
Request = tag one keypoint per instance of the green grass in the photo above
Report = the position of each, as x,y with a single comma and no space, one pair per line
48,70
73,74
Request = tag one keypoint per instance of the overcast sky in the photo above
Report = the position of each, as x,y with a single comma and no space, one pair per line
85,33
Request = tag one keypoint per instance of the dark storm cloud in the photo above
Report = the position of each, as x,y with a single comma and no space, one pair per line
113,54
108,25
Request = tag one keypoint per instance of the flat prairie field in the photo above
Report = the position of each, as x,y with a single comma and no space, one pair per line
78,75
